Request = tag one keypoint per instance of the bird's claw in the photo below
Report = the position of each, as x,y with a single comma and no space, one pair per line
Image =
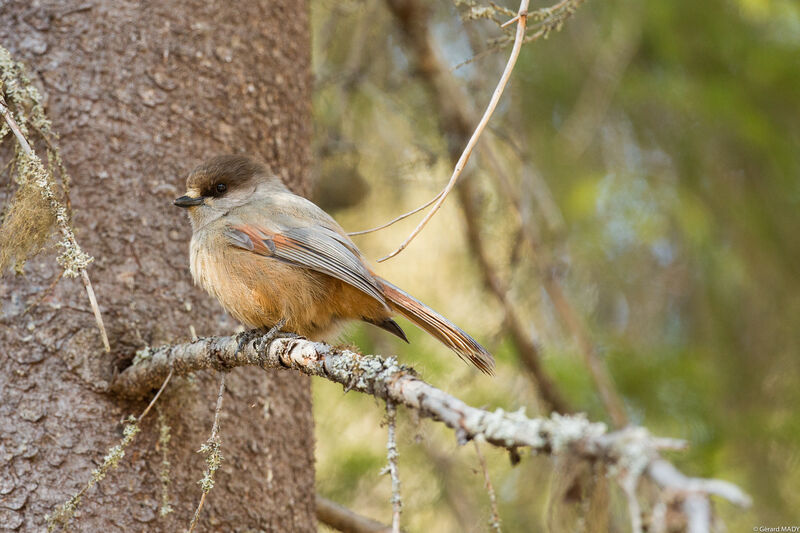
245,337
264,336
270,335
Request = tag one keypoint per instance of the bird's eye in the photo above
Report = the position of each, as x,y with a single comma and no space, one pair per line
221,188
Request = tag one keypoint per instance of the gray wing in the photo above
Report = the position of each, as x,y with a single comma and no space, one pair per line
316,247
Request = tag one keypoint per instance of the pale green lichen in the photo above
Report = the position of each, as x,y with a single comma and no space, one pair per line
30,218
72,259
163,442
142,355
64,512
211,449
116,453
20,92
540,22
27,224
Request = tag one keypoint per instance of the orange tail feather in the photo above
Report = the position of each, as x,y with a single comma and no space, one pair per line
442,329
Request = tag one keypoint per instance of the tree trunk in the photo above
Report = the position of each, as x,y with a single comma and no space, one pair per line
141,92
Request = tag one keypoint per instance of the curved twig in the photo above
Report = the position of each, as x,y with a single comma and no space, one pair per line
462,161
397,219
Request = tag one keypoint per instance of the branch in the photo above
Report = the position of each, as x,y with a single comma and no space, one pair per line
392,456
494,521
628,452
343,519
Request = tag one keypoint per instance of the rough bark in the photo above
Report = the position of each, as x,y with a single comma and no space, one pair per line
140,93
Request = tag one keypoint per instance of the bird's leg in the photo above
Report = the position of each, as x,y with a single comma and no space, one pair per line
246,336
270,335
266,335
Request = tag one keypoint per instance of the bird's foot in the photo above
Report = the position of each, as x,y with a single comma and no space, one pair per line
264,336
270,335
245,337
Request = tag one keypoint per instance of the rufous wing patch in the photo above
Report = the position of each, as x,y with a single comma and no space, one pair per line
314,248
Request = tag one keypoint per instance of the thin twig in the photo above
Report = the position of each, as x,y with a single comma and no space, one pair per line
494,522
163,442
511,21
462,161
87,283
392,456
213,459
398,219
196,516
218,409
155,398
9,118
65,230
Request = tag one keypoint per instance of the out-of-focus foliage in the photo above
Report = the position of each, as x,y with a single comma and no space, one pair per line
667,136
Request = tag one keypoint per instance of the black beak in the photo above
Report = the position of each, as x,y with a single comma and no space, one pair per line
188,201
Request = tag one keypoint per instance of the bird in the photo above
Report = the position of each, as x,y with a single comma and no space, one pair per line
270,256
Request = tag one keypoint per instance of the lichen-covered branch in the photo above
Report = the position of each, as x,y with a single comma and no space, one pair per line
27,226
211,449
628,453
391,467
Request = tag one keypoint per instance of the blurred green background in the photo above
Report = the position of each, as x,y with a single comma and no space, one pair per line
654,150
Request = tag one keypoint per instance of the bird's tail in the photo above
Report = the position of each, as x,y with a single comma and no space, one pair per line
442,329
